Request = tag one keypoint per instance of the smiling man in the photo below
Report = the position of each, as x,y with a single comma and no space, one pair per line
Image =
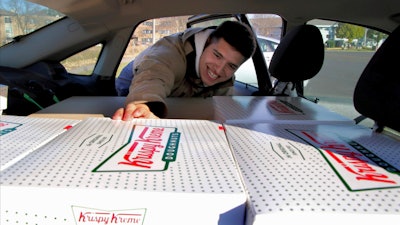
199,62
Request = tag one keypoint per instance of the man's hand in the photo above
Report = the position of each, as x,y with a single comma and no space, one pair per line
131,111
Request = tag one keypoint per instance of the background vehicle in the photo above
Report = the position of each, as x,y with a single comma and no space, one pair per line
245,71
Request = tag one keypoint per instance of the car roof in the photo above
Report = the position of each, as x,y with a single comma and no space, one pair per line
383,15
91,22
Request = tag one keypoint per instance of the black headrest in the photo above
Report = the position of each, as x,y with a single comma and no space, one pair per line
299,55
377,93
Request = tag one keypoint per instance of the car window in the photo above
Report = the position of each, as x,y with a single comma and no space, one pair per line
265,45
20,17
268,28
148,32
83,63
348,50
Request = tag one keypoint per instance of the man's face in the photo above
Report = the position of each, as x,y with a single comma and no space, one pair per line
218,62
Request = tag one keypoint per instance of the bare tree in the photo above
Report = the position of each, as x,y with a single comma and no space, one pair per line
27,16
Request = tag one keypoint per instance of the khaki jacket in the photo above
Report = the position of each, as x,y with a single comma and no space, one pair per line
161,71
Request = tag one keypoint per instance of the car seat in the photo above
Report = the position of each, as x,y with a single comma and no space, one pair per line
377,92
298,57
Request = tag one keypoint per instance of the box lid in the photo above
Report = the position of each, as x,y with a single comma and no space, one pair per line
317,173
20,135
180,168
273,109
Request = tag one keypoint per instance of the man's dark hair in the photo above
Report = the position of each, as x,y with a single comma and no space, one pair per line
238,35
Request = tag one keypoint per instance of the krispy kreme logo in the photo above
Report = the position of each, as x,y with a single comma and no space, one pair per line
358,167
87,216
149,148
280,107
8,127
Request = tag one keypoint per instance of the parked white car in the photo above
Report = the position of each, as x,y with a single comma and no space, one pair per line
246,72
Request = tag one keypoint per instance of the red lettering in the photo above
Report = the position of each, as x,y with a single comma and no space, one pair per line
312,138
373,176
376,177
279,107
145,154
82,217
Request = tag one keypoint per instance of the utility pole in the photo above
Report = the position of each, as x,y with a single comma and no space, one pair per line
154,31
365,37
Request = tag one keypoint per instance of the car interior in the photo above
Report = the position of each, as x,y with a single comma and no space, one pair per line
310,134
40,78
290,66
378,81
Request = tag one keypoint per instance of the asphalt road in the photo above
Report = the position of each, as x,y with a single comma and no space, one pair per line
334,84
339,74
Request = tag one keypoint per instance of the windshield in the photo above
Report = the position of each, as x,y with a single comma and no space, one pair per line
20,17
